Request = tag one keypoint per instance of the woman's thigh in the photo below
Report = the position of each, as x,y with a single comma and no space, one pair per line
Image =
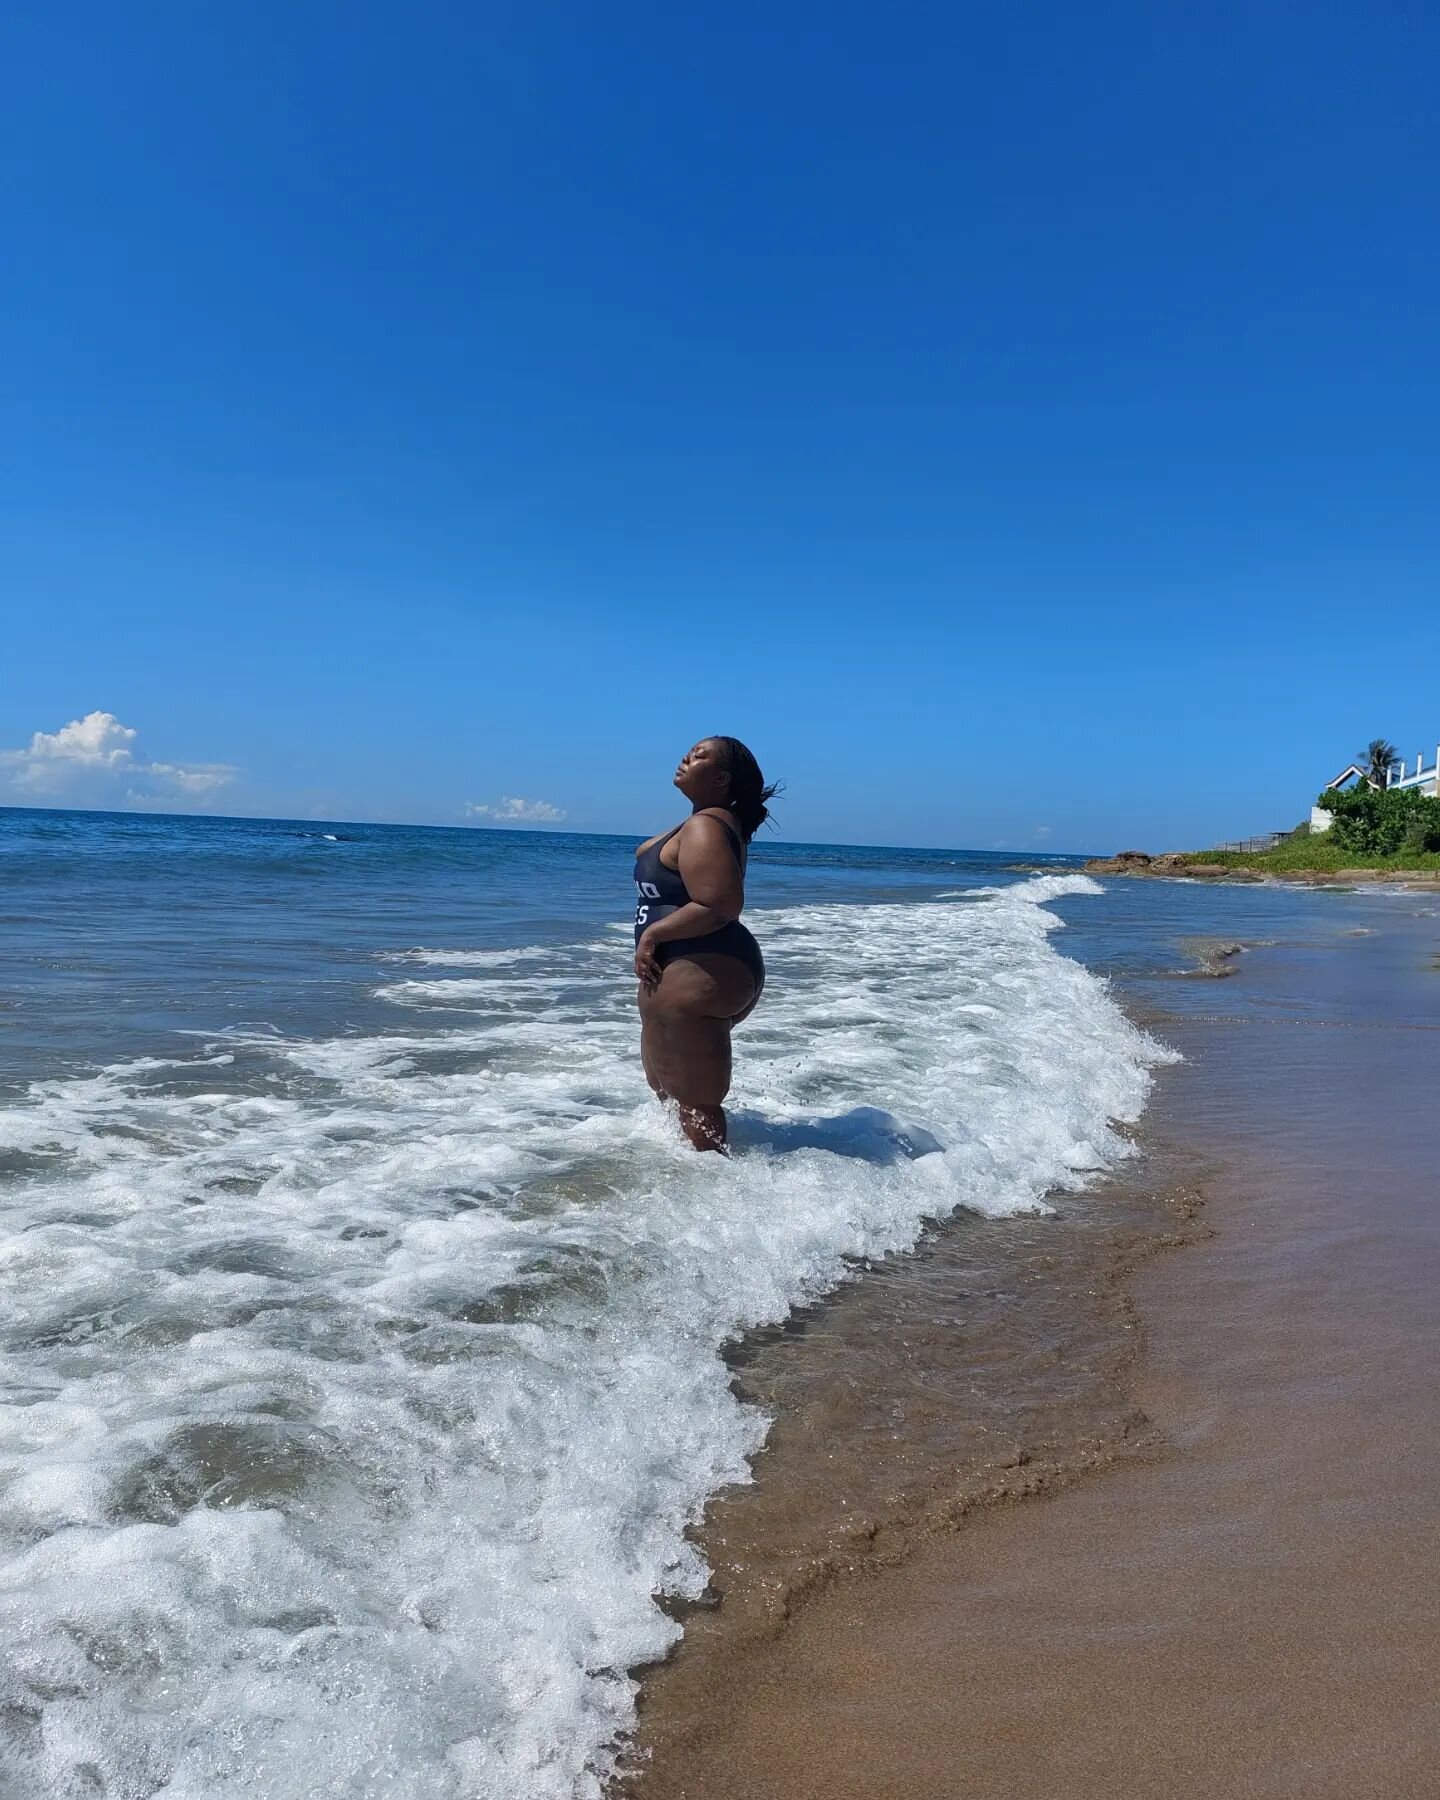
687,1026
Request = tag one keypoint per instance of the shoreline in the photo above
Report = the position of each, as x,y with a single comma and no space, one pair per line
892,1443
915,1671
910,1423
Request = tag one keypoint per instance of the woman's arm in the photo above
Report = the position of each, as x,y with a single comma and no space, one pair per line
711,874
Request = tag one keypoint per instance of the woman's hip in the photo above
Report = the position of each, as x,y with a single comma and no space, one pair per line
731,941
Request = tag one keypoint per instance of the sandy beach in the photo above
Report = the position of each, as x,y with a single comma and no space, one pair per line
1221,1582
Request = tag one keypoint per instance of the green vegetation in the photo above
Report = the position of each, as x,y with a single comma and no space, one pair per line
1383,822
1300,853
1375,828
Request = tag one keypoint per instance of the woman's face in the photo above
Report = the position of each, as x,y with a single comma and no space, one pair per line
700,778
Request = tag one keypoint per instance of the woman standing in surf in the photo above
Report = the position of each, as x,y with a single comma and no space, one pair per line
700,970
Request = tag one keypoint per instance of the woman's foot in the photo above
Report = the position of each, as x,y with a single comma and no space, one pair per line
705,1127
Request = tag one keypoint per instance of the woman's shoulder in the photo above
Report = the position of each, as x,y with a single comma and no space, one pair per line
722,826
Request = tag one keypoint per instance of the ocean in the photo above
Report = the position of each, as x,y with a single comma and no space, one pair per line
368,1328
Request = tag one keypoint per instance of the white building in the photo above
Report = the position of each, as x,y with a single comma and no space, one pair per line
1426,781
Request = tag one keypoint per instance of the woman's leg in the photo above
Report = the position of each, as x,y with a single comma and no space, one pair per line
647,1056
685,1039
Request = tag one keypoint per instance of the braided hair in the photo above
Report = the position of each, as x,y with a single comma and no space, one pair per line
750,794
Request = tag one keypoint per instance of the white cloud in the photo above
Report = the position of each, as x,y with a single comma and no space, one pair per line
1043,831
87,759
98,741
510,809
204,778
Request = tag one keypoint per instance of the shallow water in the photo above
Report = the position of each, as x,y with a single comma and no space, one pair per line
363,1316
1247,1599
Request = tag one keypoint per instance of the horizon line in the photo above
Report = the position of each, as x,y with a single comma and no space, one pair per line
547,831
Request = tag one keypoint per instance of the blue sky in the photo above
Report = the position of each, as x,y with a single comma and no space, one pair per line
1018,423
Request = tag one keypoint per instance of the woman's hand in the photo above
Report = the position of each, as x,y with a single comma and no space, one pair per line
647,962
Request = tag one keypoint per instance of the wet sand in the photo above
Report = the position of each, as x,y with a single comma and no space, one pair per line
1242,1601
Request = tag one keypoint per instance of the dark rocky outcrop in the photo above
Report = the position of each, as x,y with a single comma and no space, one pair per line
1171,862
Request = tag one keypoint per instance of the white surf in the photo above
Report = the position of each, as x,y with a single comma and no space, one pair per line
366,1387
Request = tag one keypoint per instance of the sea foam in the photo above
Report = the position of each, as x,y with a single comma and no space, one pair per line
368,1385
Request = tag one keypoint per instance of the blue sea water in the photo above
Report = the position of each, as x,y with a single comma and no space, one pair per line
122,928
363,1315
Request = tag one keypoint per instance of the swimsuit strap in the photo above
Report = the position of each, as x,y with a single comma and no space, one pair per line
721,817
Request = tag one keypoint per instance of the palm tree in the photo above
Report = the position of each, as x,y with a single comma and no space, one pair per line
1379,756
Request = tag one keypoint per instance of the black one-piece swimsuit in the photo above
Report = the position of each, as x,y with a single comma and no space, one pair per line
661,892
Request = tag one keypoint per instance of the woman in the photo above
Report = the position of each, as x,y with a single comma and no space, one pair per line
700,970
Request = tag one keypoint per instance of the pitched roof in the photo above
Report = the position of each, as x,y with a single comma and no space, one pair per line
1345,774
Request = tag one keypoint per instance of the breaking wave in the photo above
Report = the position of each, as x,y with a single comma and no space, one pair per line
368,1385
